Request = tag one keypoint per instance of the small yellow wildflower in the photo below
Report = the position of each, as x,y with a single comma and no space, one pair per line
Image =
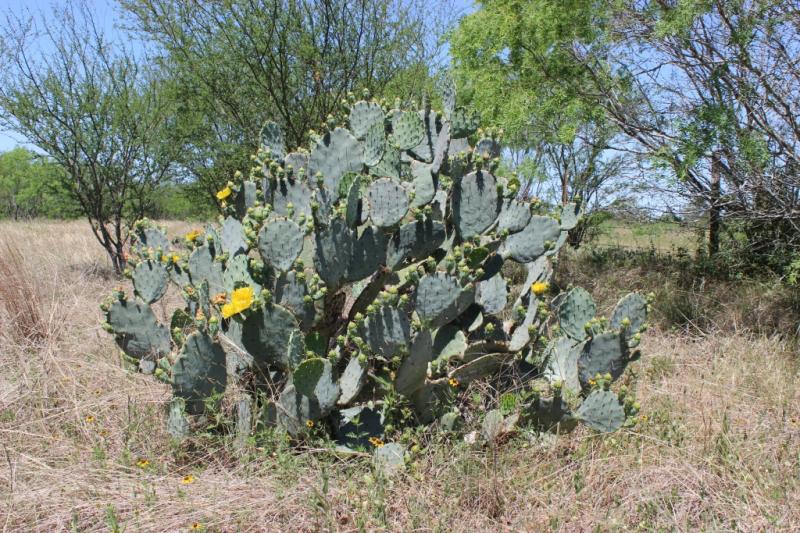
453,382
539,287
193,235
309,424
143,463
196,526
375,441
241,299
592,382
175,258
224,193
188,480
90,419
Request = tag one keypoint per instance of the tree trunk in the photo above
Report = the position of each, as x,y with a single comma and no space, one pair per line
715,211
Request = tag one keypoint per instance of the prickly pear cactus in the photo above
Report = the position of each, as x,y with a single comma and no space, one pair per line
360,285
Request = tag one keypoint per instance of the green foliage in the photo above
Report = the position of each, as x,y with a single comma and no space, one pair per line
296,300
234,65
31,186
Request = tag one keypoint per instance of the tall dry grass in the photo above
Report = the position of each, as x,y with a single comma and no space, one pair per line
82,444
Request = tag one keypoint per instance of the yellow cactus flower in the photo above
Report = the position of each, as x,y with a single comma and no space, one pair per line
539,287
375,441
241,299
188,480
309,424
193,235
175,258
224,193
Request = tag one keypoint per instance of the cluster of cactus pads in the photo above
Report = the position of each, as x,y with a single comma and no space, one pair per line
359,286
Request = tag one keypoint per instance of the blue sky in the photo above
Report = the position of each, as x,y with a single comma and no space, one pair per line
106,13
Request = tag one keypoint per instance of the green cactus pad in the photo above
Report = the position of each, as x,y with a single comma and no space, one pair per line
295,411
203,267
447,88
314,378
369,253
603,354
352,213
272,336
423,151
151,238
351,381
199,371
272,139
430,400
550,414
292,196
334,247
488,149
290,293
514,216
237,274
387,332
576,309
178,425
440,299
388,202
529,244
412,371
464,123
363,116
136,329
297,161
570,214
390,165
280,242
245,198
423,184
634,308
441,148
478,368
449,341
357,425
336,152
475,203
492,294
602,411
414,240
562,363
232,237
390,458
408,129
179,275
150,280
374,144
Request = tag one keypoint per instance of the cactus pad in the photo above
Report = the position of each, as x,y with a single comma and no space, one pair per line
280,243
475,203
602,411
440,299
272,336
314,378
387,331
199,371
634,308
531,242
336,152
575,311
136,329
412,371
603,354
363,116
408,129
150,280
388,202
416,239
272,140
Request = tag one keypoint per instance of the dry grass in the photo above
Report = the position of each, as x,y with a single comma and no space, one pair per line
718,450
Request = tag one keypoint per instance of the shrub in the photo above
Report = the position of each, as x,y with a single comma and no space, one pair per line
358,288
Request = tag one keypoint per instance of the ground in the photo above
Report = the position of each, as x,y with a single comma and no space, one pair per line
83,446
